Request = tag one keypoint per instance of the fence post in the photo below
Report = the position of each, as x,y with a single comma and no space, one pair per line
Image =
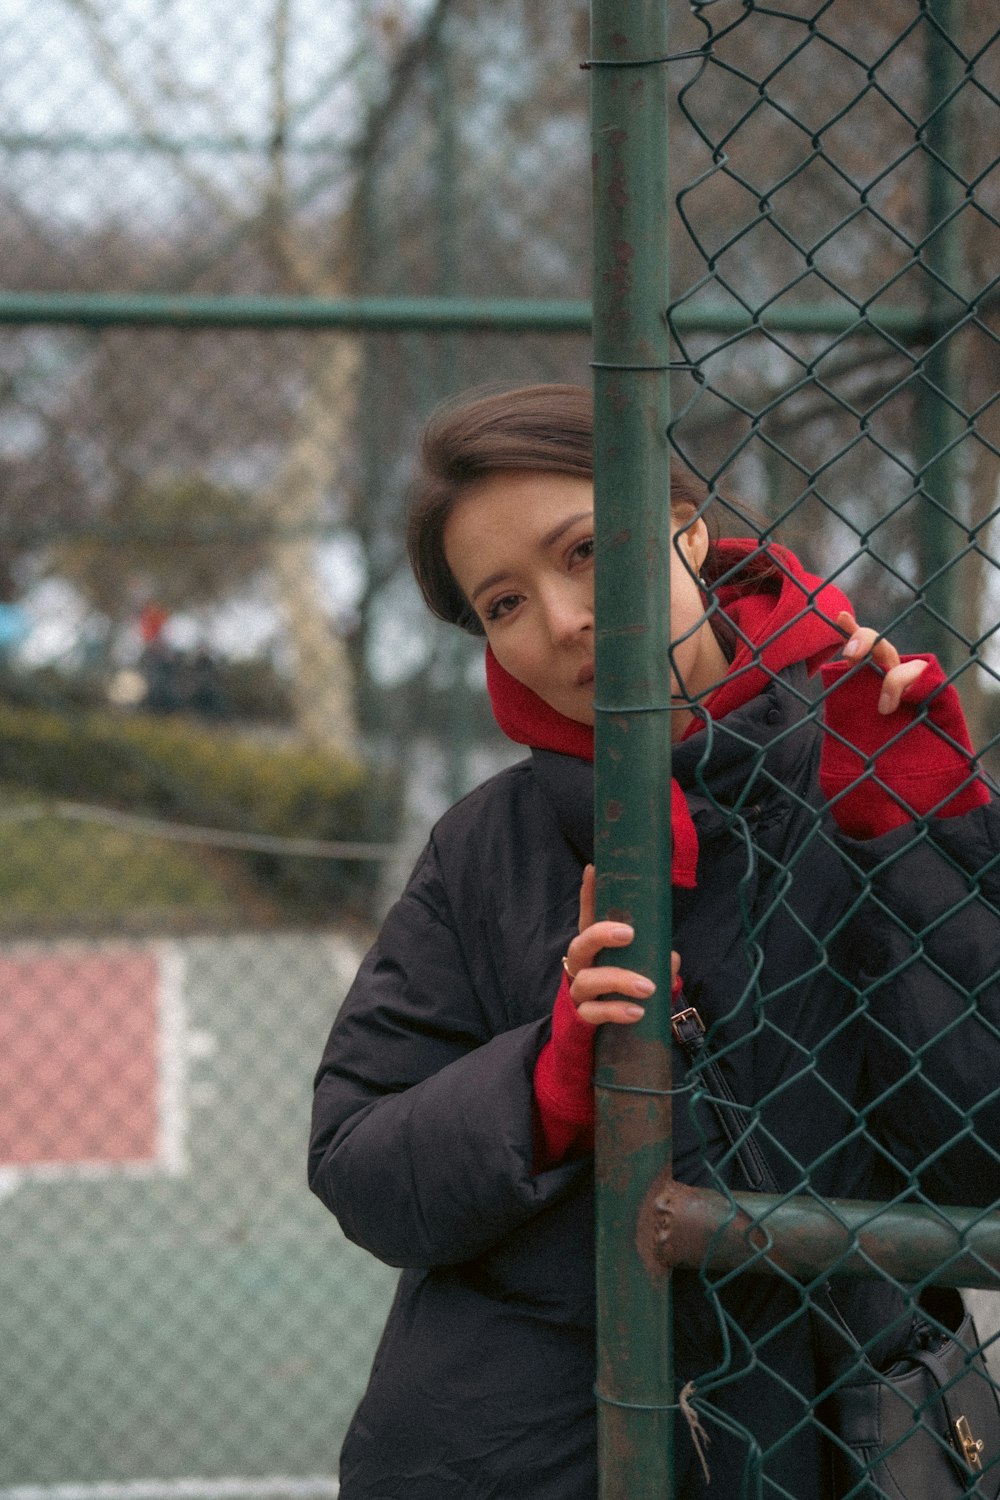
938,384
632,753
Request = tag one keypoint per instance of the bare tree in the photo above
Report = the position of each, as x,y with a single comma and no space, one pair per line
282,219
799,159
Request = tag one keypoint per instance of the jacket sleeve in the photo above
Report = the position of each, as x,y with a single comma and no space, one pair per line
422,1135
928,940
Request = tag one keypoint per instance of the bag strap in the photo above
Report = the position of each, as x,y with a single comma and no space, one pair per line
734,1118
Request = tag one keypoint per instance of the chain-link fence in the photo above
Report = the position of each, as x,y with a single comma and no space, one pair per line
224,716
831,215
221,723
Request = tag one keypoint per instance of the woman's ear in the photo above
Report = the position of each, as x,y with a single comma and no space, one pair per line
692,539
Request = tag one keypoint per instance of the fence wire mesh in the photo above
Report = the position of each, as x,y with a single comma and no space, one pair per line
221,724
224,716
833,263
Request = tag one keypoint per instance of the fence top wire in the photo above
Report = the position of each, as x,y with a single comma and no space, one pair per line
218,838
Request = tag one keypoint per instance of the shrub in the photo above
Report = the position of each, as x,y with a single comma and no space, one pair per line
213,777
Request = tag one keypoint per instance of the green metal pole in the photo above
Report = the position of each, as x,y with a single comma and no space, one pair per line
939,386
632,753
448,256
808,1239
448,279
400,314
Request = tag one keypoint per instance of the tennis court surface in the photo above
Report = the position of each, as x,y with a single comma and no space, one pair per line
179,1317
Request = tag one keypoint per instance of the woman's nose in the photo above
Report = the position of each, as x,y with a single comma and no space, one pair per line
568,613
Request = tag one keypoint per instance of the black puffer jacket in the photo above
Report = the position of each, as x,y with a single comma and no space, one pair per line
422,1138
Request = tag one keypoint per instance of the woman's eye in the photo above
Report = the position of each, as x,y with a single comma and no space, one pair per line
503,606
584,550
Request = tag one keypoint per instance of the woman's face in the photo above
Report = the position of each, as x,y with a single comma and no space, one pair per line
521,547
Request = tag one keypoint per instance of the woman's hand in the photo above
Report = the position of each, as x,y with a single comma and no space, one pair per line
590,982
862,642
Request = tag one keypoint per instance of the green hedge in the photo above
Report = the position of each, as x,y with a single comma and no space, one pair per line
181,771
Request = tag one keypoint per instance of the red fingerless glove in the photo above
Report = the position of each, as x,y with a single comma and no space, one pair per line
564,1088
900,766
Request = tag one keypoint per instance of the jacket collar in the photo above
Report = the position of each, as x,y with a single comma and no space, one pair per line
750,756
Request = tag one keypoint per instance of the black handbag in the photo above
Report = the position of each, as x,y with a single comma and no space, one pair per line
928,1426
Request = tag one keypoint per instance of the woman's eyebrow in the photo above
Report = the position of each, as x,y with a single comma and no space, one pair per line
548,540
553,536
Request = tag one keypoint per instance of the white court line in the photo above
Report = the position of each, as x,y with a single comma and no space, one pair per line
275,1487
171,1157
172,1064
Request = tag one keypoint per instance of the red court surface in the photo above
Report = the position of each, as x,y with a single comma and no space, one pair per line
79,1058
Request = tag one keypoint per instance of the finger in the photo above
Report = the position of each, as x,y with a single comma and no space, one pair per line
587,898
865,642
860,638
885,655
608,995
607,982
610,1012
584,948
896,682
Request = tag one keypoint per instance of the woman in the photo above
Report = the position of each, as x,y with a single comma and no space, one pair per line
453,1115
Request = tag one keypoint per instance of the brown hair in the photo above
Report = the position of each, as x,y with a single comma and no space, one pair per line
548,428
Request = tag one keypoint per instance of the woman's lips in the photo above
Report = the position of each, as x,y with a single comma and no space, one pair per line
585,675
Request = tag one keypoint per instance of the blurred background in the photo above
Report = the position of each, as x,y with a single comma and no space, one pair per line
226,720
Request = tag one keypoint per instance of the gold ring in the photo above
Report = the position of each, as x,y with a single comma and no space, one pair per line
566,968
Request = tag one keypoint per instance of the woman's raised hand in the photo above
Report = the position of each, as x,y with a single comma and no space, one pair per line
590,982
863,641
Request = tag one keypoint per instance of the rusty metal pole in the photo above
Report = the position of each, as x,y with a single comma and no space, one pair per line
632,754
808,1239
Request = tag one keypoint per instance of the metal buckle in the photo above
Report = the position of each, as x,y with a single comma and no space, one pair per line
969,1446
687,1014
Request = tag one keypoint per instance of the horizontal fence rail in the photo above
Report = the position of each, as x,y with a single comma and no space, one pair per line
442,314
807,1238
